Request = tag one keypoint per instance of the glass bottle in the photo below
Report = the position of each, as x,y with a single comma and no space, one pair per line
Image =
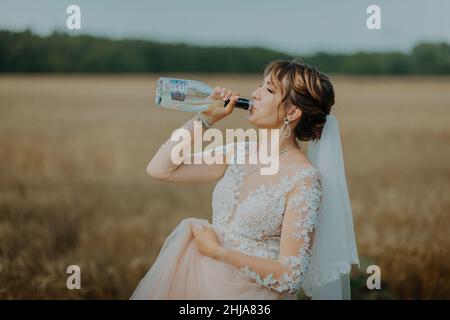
189,95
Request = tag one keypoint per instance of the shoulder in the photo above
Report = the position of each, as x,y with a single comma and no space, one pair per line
306,175
307,187
303,168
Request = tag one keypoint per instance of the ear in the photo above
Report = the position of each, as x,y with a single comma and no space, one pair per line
293,113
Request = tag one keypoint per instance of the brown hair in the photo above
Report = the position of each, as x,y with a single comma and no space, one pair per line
306,88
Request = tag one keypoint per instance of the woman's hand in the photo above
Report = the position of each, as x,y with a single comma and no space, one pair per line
207,241
215,112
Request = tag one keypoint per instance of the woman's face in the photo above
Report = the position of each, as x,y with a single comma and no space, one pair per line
265,112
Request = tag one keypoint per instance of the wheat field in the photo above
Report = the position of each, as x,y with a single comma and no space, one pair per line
73,187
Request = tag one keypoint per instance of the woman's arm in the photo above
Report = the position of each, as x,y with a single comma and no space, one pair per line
163,167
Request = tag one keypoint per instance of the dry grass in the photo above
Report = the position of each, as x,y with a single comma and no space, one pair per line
73,188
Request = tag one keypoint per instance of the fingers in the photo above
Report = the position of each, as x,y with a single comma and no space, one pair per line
224,93
195,232
227,94
196,229
230,105
216,93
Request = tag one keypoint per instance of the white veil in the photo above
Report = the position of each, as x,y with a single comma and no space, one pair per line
334,248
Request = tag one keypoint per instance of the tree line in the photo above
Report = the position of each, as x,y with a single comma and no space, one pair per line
61,53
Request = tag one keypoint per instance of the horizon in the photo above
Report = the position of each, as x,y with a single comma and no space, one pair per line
158,41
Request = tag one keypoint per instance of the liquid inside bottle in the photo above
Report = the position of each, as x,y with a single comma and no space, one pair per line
189,95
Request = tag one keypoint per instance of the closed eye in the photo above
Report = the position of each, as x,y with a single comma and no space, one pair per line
266,88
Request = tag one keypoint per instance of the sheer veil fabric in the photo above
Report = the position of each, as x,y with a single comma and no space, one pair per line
334,249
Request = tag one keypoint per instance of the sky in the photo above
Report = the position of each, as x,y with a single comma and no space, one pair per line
294,27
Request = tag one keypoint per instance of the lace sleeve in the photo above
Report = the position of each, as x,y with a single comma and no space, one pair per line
299,223
286,275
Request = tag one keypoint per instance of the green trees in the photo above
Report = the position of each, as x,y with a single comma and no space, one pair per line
430,58
59,52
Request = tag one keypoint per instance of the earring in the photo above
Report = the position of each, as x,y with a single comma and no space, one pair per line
288,127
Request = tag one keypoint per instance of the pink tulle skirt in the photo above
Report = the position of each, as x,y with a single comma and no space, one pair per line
182,272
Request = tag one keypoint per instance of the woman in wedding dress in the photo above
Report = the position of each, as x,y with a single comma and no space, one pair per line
271,235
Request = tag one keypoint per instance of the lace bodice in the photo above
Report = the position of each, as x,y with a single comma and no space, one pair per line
269,217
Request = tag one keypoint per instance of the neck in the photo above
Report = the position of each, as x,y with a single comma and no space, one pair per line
283,143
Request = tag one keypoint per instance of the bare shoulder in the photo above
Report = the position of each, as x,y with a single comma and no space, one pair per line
298,162
298,159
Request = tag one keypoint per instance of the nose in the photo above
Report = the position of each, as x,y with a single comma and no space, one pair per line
254,95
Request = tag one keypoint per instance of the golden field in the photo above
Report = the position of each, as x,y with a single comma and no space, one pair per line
73,187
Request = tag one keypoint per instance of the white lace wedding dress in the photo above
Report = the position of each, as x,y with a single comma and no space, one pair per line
269,218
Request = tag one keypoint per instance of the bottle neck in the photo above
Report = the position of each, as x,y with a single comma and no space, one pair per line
241,103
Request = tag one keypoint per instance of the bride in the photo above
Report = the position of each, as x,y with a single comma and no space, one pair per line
271,236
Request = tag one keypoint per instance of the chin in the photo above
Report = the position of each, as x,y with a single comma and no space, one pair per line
250,118
253,121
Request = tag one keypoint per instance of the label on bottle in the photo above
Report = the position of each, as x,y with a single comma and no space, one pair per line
178,89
